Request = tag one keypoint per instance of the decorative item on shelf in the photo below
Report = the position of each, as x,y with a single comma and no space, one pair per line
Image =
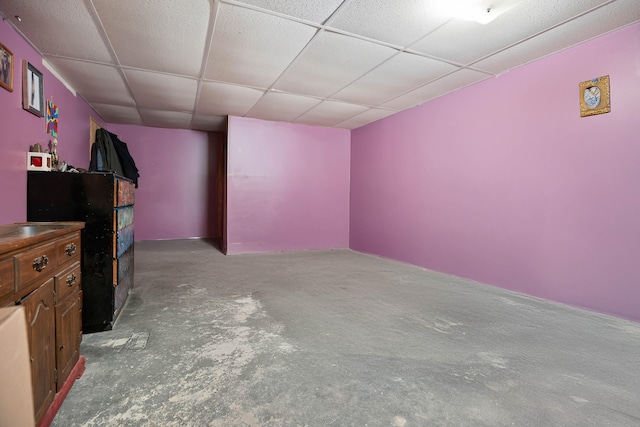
52,118
53,149
595,97
32,89
6,68
37,160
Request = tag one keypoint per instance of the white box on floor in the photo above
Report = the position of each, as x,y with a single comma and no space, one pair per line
16,395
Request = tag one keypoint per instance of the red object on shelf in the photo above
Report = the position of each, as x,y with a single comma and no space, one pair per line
38,161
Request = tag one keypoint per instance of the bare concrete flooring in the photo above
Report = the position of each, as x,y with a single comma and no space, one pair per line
340,338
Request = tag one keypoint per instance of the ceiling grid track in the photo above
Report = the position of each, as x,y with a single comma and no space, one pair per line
335,63
326,27
315,37
205,55
105,37
546,30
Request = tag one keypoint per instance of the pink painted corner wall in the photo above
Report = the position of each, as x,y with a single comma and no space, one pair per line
503,182
21,129
177,188
288,186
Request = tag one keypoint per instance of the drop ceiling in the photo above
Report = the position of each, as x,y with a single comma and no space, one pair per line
340,63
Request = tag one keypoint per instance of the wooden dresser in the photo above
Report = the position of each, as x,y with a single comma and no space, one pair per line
104,202
40,269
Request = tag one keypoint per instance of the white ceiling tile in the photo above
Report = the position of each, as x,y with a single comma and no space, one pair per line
91,79
162,91
618,14
310,10
398,75
165,119
279,106
223,99
365,118
166,36
209,123
118,114
467,41
399,22
45,23
253,48
332,62
329,113
438,88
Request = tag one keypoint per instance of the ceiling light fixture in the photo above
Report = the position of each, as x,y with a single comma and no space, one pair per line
481,11
18,18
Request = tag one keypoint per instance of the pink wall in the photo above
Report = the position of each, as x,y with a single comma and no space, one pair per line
501,182
288,186
20,129
504,183
176,197
178,183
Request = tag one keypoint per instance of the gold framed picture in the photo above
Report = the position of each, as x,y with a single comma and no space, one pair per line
595,97
6,68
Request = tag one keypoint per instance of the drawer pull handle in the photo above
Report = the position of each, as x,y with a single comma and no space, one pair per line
70,249
71,279
40,263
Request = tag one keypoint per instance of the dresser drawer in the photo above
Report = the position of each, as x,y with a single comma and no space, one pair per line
123,217
69,249
125,192
37,263
124,240
66,281
6,277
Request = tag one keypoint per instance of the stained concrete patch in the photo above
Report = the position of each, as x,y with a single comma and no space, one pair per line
138,341
186,384
115,343
399,421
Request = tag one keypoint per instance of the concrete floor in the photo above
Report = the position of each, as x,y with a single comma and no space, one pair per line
339,338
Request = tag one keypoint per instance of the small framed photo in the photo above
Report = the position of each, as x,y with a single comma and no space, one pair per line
595,97
32,89
6,68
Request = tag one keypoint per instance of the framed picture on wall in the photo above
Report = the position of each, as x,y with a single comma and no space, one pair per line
595,97
32,89
6,68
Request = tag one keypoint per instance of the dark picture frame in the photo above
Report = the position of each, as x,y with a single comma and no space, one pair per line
6,68
32,89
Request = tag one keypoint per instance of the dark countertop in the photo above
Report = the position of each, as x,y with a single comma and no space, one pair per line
16,236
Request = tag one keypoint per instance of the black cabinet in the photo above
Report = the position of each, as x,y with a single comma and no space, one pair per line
104,201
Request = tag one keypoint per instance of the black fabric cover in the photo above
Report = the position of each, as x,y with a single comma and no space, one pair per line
114,154
129,169
103,154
